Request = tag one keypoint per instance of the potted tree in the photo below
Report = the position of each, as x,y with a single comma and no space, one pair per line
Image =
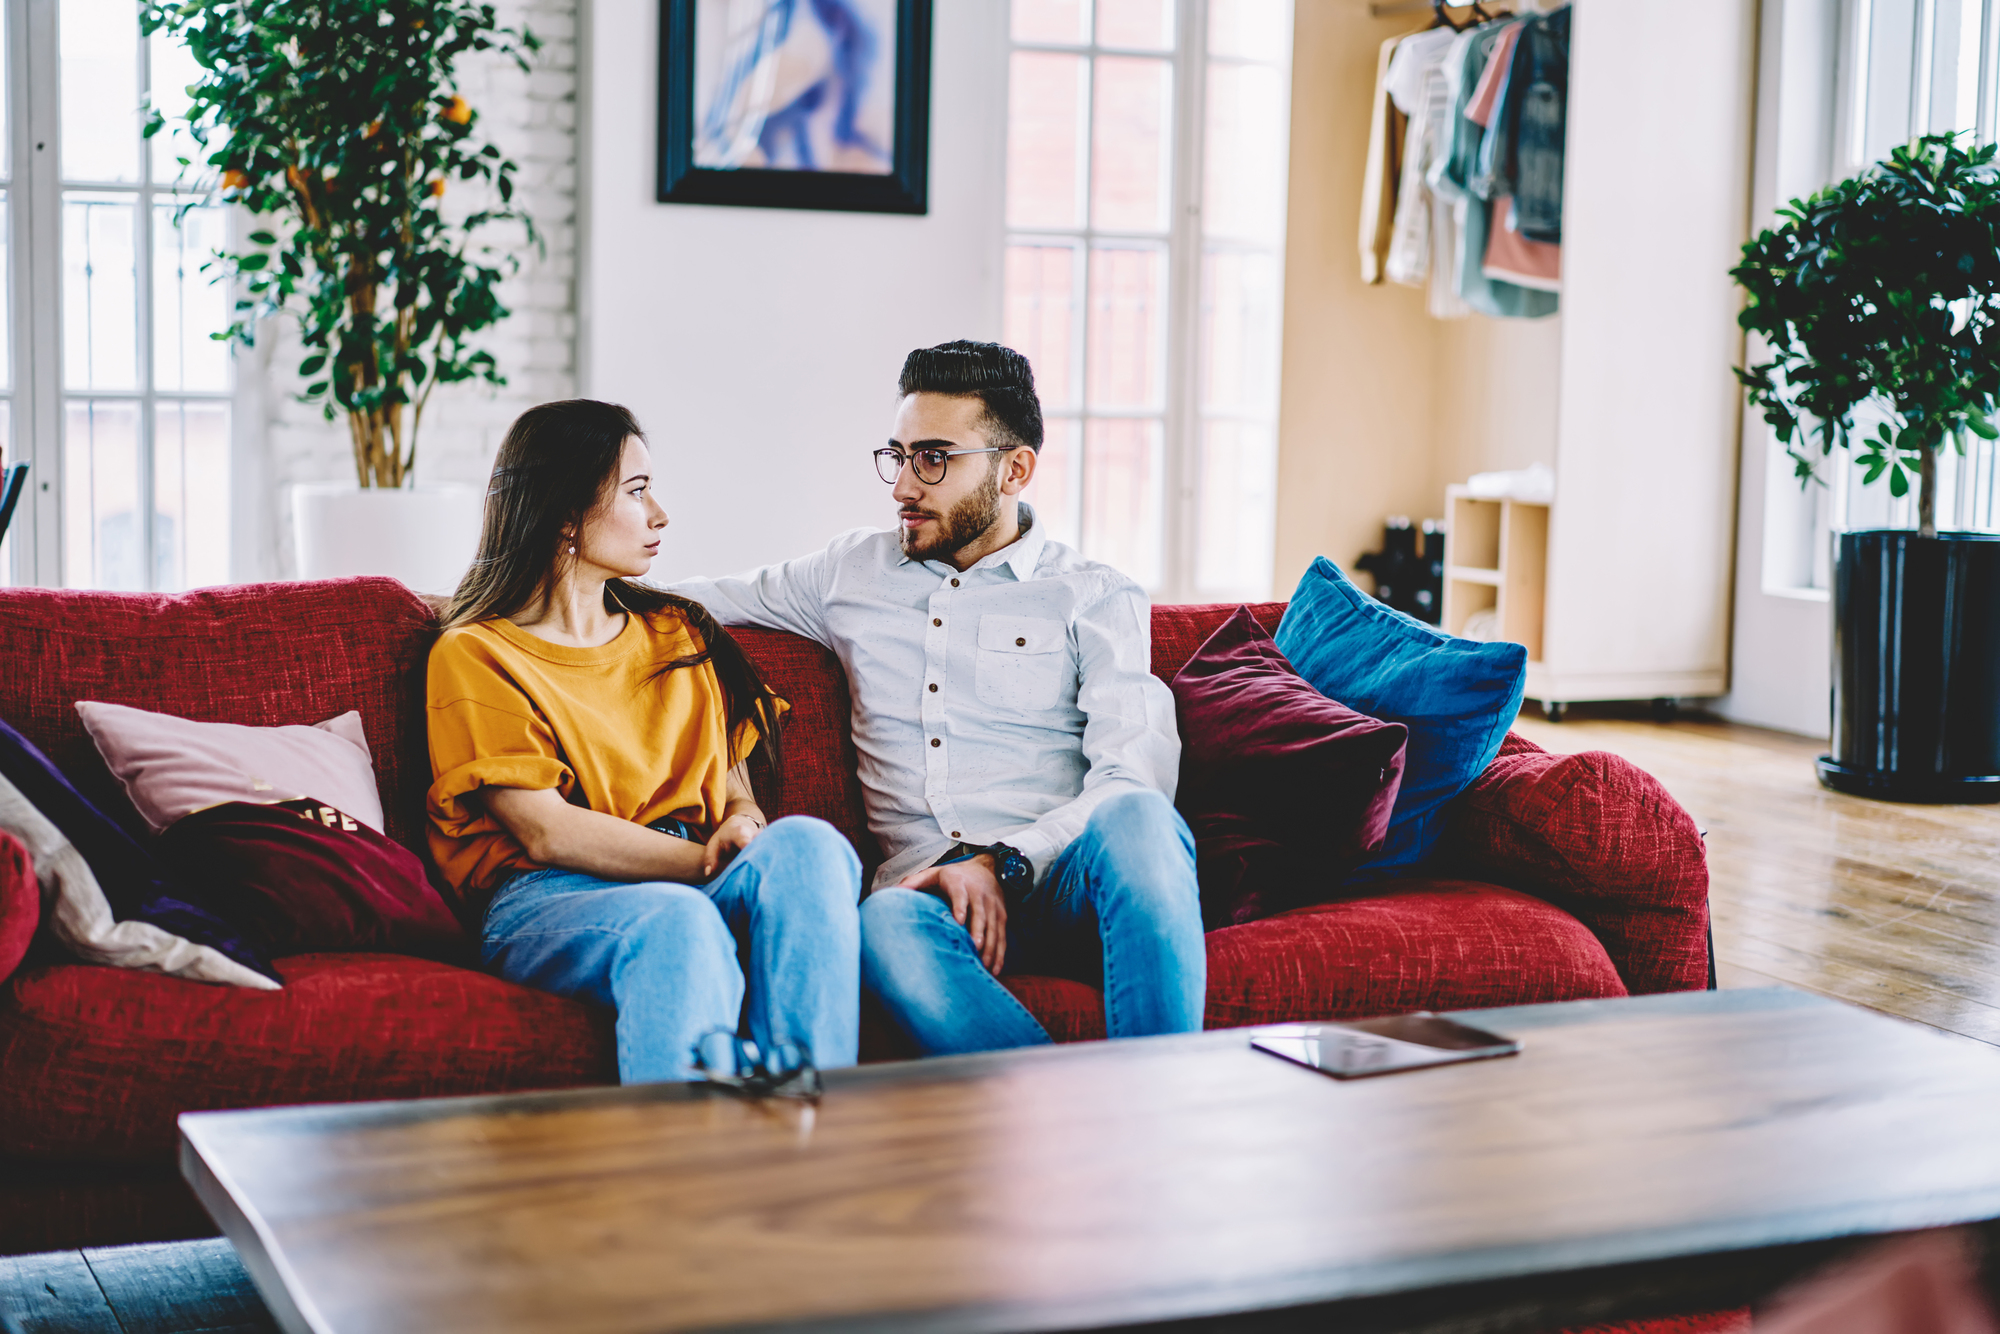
1881,294
339,125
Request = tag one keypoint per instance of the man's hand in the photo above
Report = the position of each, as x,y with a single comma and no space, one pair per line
973,892
730,837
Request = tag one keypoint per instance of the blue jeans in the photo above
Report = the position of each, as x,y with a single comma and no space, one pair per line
664,955
1119,907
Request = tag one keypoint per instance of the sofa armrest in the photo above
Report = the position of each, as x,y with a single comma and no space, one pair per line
1600,837
20,903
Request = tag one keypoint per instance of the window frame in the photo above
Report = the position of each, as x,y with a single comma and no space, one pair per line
34,218
1180,410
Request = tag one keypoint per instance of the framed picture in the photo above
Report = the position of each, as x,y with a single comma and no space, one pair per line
796,103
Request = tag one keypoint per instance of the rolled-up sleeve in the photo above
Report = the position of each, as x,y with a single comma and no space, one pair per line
484,732
1130,739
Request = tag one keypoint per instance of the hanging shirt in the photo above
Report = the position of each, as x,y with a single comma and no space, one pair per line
998,704
1416,83
1451,177
1514,258
1385,166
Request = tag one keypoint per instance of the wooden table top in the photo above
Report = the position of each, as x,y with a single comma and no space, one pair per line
1112,1183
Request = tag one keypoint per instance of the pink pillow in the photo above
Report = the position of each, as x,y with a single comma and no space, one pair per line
171,766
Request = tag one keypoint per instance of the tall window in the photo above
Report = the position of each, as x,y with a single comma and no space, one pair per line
1146,169
1906,68
125,387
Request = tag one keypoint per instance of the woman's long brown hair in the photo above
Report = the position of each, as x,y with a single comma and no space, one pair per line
556,466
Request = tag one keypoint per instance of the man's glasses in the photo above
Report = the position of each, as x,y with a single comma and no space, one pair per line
736,1064
929,463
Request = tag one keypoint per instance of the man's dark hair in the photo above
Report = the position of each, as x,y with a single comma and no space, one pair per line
997,376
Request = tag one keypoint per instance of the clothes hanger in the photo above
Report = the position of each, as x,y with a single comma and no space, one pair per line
1440,19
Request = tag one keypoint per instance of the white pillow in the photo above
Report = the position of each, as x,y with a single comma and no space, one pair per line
78,915
173,767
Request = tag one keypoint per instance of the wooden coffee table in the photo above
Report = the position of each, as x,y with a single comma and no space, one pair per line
1681,1152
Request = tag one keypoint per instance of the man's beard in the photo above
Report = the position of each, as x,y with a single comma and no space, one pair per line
968,521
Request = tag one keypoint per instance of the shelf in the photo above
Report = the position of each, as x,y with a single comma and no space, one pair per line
1467,575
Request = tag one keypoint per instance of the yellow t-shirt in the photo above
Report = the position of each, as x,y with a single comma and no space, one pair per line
509,709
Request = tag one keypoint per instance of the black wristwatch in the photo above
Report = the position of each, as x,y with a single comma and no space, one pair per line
1011,868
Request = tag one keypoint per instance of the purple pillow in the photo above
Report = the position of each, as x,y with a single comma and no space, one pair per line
1284,789
135,887
300,877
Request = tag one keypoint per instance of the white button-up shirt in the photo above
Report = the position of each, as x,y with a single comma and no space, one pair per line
996,705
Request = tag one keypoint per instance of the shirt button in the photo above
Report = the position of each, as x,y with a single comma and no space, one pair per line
956,834
936,742
1020,643
934,687
954,584
936,621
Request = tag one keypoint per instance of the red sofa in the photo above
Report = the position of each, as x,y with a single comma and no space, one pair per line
1564,877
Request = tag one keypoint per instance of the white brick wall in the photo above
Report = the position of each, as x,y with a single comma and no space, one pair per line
532,118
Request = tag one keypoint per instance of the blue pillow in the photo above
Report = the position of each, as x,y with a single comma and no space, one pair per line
1457,696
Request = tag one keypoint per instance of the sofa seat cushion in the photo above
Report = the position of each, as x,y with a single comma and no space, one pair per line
95,1063
1411,945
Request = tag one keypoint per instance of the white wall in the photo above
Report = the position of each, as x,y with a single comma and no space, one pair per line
760,347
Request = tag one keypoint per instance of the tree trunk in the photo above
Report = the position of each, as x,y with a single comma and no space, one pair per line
1927,494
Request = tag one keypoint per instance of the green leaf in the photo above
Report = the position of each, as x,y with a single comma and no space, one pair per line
1899,481
1983,428
261,237
311,365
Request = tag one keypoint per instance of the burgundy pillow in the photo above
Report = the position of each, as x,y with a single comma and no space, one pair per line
1285,789
299,877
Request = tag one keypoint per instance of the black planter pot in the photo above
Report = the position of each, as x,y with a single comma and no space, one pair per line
1916,667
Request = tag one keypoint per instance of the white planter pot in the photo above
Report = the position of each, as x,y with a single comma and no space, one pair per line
425,537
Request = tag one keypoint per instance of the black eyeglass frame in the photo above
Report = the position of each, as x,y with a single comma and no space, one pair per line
760,1074
909,460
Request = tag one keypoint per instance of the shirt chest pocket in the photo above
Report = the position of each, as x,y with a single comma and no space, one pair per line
1024,662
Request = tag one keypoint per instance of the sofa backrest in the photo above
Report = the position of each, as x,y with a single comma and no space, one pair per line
268,655
265,655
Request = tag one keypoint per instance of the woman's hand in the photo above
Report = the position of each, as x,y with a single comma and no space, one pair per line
730,837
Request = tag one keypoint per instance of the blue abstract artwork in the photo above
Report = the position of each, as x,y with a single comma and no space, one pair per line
795,85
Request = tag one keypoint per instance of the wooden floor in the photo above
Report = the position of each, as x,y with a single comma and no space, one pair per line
184,1287
1891,906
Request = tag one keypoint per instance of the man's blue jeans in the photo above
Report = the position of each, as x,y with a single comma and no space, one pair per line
1119,907
665,955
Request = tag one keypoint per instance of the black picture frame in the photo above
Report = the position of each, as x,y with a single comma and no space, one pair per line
905,189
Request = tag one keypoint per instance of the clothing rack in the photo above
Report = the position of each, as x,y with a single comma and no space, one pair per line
1386,9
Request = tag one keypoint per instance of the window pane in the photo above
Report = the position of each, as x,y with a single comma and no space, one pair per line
1240,334
1122,470
102,526
1043,317
1130,170
1145,25
1892,40
1237,496
1057,488
1045,140
1243,186
190,495
1065,21
100,293
1128,326
100,90
1250,29
188,306
172,68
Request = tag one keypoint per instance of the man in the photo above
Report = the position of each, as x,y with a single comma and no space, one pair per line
1018,757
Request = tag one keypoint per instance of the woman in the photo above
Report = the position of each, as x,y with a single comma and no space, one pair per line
590,797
